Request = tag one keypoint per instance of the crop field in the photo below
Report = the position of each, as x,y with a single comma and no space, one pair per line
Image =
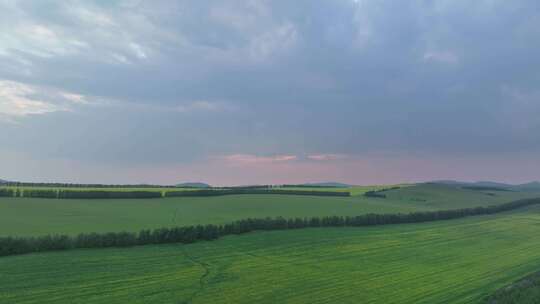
38,216
526,290
457,261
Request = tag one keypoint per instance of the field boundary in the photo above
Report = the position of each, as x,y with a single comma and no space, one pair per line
254,191
191,234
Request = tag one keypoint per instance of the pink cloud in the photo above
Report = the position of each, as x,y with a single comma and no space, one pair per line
326,157
280,169
254,159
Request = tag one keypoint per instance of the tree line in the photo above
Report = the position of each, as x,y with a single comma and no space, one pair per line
75,194
190,234
70,194
379,193
232,191
309,186
109,194
7,192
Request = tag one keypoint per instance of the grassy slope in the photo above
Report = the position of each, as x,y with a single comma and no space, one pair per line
436,197
26,216
458,261
354,190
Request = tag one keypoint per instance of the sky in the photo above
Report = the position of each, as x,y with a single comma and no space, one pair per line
255,92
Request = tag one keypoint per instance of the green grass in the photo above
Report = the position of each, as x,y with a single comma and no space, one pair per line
36,216
451,197
459,261
526,290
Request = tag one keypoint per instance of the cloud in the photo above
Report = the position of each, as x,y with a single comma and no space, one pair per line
326,157
184,107
363,25
446,57
193,79
254,159
77,29
520,109
38,40
200,106
273,42
75,98
138,50
19,100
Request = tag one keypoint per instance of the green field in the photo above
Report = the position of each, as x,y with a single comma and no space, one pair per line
458,261
37,216
526,290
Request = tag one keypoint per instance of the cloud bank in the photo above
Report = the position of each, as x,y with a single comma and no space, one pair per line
183,84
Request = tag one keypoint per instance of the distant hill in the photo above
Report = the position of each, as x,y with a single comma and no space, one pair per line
493,185
472,184
447,182
529,186
3,181
487,188
194,185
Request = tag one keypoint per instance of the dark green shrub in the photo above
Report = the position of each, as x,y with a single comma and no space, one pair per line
7,193
40,193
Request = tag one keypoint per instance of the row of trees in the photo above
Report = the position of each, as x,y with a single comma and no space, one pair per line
75,194
486,188
379,193
375,194
232,191
108,194
308,186
190,234
41,193
7,192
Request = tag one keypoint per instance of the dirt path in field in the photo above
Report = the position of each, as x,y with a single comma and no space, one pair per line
175,215
202,278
